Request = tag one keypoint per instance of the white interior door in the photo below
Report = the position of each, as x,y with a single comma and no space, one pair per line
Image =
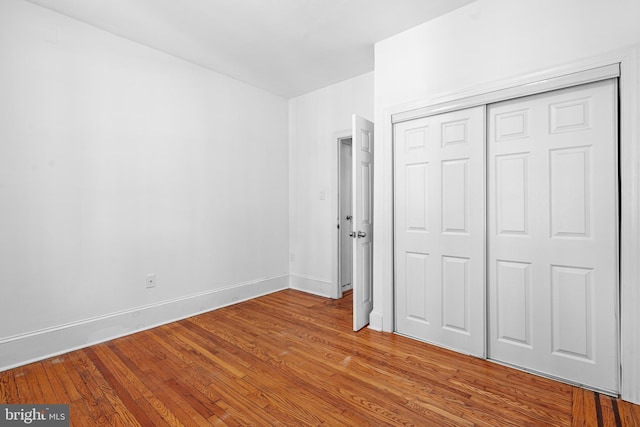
362,170
440,229
552,230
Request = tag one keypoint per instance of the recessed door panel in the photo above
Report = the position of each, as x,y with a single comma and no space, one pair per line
570,192
415,303
417,196
511,124
454,132
571,115
416,139
512,198
366,255
455,196
455,294
513,302
572,311
366,207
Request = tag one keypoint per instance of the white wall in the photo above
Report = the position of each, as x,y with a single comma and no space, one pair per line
116,161
478,45
490,40
315,121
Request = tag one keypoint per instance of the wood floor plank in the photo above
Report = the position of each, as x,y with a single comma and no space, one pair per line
629,413
234,397
143,385
20,377
97,408
80,415
48,395
608,414
583,409
31,376
448,362
325,353
291,358
63,363
118,382
8,388
198,374
315,371
222,418
63,388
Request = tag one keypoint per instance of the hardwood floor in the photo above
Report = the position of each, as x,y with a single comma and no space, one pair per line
291,358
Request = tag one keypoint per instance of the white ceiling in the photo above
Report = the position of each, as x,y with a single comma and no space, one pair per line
288,47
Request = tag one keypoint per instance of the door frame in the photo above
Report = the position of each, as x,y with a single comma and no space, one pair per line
341,141
336,141
383,316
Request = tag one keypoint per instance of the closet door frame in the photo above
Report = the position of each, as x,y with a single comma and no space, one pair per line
625,64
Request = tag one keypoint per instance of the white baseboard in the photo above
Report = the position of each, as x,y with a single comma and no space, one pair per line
30,347
375,321
312,285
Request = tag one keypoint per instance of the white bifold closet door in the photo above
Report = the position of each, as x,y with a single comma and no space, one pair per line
440,229
552,234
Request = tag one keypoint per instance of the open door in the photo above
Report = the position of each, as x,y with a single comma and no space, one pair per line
362,232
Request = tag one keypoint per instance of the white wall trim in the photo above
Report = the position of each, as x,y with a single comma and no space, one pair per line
548,83
630,191
37,345
375,321
630,231
384,270
335,207
311,285
535,78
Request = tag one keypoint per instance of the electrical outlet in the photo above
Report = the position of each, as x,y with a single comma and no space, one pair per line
151,280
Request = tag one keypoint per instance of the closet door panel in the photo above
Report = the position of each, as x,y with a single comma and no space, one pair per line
439,229
553,234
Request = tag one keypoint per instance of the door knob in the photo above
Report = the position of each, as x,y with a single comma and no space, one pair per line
349,217
352,234
361,234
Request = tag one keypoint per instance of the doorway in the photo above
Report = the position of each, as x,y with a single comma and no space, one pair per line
345,216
